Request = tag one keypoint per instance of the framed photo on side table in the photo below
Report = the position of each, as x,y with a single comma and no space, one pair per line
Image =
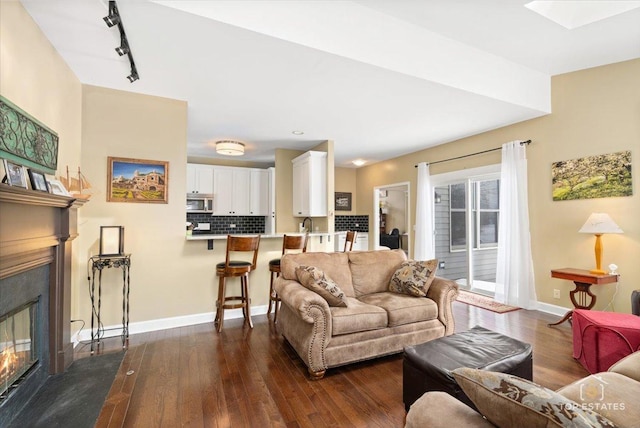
15,174
38,181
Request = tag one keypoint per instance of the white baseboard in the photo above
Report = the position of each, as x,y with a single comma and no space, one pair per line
552,309
164,323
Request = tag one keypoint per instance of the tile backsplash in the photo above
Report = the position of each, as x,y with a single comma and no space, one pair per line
220,225
349,222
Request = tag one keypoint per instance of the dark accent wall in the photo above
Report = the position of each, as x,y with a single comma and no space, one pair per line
349,222
220,225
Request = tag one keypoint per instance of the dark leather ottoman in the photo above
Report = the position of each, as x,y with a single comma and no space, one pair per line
428,366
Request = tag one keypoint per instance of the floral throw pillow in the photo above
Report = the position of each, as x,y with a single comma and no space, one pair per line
317,281
509,401
414,277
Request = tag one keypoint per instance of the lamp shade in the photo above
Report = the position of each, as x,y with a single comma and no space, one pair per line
230,148
600,223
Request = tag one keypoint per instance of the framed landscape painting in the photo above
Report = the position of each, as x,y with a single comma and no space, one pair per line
601,176
137,180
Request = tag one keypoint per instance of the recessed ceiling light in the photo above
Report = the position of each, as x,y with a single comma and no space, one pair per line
297,132
576,13
359,162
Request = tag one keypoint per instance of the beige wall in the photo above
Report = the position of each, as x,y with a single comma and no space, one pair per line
35,78
346,182
595,111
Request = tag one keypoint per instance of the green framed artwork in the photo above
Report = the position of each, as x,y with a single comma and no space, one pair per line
601,176
25,140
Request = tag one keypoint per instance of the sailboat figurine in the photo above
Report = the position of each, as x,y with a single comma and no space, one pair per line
77,186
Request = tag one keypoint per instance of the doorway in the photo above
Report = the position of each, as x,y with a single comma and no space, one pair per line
391,219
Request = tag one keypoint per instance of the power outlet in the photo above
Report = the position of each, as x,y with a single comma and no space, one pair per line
556,293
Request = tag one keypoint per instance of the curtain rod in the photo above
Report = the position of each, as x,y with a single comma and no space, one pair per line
473,154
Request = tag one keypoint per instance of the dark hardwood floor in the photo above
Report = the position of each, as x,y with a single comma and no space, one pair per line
193,376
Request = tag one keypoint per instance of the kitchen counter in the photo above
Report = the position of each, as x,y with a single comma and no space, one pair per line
211,237
206,236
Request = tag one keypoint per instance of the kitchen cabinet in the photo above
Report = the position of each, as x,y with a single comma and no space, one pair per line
199,178
270,221
231,191
259,192
310,185
241,191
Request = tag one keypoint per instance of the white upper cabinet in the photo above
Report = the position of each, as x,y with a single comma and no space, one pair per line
240,191
199,178
310,185
259,192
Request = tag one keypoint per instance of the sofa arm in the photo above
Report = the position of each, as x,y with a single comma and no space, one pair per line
305,321
444,292
436,409
629,366
300,299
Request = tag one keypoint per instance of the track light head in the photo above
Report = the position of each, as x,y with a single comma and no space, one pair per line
123,49
111,20
133,76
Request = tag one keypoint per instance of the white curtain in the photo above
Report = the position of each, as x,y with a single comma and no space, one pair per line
424,215
514,274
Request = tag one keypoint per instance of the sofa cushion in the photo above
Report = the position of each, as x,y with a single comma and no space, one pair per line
319,282
611,394
357,316
509,401
401,308
414,277
371,270
336,265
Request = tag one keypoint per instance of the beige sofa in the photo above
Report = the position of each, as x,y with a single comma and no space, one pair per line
612,395
375,321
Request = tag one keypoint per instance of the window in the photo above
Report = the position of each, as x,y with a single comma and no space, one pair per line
485,206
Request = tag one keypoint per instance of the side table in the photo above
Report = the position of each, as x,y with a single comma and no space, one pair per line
581,296
98,263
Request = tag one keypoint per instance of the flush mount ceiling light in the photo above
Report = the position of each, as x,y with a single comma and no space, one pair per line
359,162
114,19
297,132
577,13
230,148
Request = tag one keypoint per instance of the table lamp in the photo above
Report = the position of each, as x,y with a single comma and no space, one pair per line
599,224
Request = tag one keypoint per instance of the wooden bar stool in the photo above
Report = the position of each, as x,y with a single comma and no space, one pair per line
236,268
351,238
289,243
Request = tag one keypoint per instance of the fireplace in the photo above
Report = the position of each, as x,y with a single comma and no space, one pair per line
35,292
19,345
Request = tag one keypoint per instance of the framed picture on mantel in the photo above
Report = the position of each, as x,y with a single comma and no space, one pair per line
343,201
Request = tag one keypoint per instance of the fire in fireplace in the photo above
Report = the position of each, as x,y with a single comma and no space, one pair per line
18,345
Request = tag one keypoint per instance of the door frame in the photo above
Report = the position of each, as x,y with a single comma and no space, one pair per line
406,187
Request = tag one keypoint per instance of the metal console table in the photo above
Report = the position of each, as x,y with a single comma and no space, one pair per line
98,263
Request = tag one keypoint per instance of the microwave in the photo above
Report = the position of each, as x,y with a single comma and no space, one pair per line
199,203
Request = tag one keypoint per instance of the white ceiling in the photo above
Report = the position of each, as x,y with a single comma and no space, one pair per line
381,78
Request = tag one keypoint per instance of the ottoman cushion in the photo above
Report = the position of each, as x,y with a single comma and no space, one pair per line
600,339
428,366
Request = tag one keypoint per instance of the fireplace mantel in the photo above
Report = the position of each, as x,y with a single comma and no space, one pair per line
36,229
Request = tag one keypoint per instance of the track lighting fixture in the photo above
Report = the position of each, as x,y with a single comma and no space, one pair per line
114,19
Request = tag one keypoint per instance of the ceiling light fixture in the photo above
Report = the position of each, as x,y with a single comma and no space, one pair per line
359,162
114,19
297,132
230,148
